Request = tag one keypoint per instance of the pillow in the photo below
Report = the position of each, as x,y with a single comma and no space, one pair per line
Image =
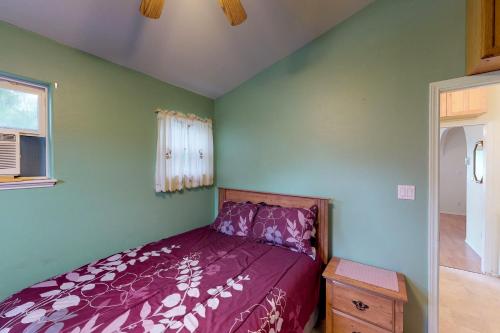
235,218
292,228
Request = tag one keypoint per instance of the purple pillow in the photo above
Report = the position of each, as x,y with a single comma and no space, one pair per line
235,218
288,227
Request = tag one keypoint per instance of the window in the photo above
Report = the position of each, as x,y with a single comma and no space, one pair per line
24,121
23,107
184,156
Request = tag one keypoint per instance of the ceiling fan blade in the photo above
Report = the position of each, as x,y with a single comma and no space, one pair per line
234,11
152,8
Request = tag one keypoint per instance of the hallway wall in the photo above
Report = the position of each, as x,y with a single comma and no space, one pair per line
452,184
476,207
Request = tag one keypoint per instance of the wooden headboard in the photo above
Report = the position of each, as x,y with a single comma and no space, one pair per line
287,201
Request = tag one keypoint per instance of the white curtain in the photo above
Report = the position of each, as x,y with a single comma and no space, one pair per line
184,156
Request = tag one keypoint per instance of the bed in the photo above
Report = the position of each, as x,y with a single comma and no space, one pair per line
198,281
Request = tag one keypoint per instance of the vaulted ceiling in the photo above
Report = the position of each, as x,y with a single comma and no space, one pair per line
192,45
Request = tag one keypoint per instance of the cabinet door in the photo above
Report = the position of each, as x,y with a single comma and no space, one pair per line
455,104
483,36
475,100
465,103
442,105
491,17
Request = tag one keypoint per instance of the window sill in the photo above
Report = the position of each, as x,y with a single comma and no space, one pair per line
24,184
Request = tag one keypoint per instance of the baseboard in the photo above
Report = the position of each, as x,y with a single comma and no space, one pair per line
472,247
455,214
492,275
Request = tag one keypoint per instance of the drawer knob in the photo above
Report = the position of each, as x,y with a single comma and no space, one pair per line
360,305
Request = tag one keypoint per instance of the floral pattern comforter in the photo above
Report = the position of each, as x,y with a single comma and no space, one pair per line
199,281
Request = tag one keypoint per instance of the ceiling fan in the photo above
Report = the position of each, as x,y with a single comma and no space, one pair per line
233,9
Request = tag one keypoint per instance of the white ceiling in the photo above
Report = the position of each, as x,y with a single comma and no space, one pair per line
191,45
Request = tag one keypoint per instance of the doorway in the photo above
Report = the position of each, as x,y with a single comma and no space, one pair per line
457,230
464,288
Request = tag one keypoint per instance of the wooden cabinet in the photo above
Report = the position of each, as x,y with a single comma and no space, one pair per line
483,36
356,306
463,103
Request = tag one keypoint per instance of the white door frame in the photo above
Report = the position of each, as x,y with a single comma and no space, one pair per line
433,197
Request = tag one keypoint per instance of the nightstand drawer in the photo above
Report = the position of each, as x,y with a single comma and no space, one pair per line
368,307
343,323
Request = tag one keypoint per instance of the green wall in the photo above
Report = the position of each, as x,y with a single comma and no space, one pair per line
346,117
104,132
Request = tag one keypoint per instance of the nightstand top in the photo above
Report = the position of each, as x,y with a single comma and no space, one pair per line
330,273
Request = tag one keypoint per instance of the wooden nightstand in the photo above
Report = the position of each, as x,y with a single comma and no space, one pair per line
354,306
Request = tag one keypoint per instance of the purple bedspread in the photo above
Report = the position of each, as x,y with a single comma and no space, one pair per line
199,281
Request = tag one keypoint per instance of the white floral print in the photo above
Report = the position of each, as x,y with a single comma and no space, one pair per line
292,228
227,228
273,235
173,313
172,292
235,218
273,307
81,288
243,227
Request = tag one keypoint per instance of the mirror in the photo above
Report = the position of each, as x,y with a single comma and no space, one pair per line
478,167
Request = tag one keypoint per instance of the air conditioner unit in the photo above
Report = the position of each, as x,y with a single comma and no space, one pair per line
10,156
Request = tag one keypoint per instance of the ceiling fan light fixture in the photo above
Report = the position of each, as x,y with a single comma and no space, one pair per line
234,11
152,8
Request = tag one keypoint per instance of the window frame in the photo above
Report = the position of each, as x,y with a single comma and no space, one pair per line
45,130
42,91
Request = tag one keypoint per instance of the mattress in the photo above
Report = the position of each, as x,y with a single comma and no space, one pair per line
198,281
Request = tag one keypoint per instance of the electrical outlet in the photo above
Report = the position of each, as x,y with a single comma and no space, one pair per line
406,192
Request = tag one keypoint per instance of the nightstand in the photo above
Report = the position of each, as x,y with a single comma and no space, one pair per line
363,299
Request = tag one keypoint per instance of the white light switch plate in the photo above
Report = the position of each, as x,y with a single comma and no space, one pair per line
406,192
